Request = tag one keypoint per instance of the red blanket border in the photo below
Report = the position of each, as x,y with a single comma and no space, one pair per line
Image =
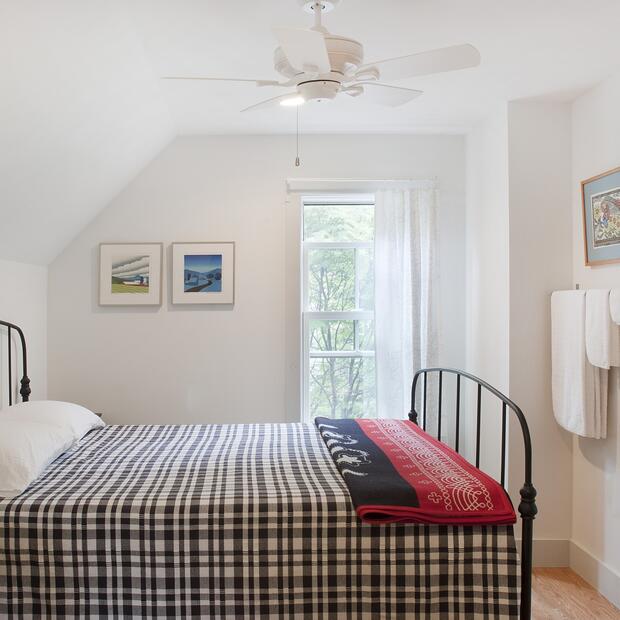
450,489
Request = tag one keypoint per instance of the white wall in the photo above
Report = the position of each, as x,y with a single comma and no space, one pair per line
23,301
539,163
518,251
487,300
596,463
179,364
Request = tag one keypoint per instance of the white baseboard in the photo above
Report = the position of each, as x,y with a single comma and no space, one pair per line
598,574
551,553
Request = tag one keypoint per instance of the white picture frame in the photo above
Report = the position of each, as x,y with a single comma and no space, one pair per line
203,272
130,274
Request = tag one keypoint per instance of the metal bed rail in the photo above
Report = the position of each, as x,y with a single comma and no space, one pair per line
527,506
24,381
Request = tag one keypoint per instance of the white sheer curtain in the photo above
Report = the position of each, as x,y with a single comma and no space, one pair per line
405,285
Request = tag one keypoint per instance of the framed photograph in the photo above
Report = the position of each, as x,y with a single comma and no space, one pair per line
130,274
203,273
601,218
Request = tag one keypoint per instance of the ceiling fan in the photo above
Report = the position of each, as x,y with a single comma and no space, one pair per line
317,66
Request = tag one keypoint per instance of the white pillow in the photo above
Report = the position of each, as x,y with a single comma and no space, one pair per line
78,420
27,447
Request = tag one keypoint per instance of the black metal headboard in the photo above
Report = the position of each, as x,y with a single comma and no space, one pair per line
24,389
527,506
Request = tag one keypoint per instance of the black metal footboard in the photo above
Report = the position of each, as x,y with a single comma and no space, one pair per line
24,381
527,505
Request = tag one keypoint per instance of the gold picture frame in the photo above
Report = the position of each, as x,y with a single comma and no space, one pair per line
600,202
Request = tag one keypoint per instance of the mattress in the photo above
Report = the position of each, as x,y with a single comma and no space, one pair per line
231,521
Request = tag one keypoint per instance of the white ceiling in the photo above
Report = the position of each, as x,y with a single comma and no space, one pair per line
82,108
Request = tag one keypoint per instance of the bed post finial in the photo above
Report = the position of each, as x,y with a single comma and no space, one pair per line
25,390
528,511
527,507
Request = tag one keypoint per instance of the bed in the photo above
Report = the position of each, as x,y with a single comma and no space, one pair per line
230,521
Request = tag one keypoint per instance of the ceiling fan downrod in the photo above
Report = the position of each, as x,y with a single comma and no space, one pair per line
318,8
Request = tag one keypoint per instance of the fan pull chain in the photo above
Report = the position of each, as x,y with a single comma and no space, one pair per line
297,161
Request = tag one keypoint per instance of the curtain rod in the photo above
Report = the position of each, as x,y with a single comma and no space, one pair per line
309,185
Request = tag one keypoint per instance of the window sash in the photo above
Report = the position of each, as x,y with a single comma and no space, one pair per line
312,315
336,316
332,245
308,356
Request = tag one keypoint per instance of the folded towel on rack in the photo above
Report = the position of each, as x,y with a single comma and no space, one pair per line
601,392
579,389
602,334
614,305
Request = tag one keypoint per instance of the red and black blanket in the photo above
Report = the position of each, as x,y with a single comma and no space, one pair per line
397,473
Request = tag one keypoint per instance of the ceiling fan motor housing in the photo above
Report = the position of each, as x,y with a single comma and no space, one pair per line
345,56
319,90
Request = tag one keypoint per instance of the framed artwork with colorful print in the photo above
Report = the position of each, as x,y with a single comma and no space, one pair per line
601,218
130,274
203,273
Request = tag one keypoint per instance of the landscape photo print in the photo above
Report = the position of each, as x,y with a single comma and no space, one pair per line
202,273
130,274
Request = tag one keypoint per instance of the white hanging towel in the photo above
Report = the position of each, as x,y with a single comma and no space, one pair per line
602,334
579,389
614,305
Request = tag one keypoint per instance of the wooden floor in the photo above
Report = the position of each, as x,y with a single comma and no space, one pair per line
559,593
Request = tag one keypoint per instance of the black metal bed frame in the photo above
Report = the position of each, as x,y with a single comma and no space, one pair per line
527,506
24,381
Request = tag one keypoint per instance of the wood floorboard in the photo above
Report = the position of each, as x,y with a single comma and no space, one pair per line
560,594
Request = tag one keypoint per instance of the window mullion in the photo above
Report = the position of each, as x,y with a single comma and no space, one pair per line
356,275
305,278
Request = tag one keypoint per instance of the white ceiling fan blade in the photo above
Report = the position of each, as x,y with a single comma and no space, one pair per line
216,79
304,49
269,103
387,95
425,63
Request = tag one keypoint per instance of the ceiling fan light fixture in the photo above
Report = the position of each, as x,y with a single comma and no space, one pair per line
293,101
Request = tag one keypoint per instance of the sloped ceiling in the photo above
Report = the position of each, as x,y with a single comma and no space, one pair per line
83,108
81,112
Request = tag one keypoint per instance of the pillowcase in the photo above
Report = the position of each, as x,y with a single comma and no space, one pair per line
34,434
75,418
27,447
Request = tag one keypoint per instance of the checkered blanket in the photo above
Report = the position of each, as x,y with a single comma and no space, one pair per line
232,521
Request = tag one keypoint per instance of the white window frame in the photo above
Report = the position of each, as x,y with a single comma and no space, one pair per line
310,315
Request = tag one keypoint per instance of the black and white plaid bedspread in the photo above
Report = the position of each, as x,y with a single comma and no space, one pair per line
232,521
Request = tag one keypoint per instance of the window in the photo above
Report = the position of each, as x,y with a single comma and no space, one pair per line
338,307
